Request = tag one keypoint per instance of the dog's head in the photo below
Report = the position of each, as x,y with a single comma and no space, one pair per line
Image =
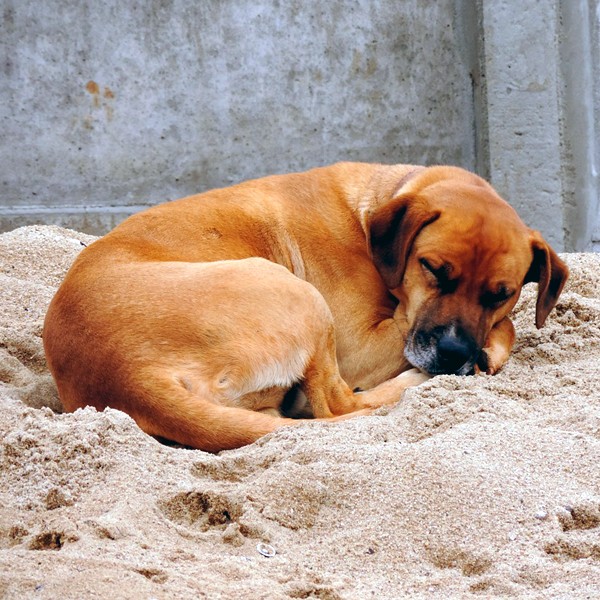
456,256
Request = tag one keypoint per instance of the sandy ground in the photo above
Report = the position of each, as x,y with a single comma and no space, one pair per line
469,487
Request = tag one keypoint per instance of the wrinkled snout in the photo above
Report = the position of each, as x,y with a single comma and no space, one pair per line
448,350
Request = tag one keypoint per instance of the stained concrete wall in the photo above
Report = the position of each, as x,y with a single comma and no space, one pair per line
107,106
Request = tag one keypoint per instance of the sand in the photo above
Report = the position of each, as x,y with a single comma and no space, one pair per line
468,487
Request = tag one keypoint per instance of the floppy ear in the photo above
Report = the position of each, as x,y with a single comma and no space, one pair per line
550,272
392,231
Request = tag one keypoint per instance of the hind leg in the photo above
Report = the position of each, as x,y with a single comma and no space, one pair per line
280,332
330,396
309,351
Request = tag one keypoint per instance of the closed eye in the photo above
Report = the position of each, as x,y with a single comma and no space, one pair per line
441,276
428,267
496,299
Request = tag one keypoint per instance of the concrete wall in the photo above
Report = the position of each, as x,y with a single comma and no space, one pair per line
106,106
579,52
521,66
538,140
110,106
594,22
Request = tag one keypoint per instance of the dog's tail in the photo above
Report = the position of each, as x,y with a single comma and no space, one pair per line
182,417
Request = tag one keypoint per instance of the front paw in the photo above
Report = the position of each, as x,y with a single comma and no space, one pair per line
413,377
490,362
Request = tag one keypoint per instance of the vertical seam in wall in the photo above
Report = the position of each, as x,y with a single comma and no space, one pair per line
469,24
480,92
565,148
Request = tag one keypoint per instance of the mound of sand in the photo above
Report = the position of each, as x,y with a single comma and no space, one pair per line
484,486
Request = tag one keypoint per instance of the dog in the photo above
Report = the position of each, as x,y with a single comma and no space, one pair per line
351,283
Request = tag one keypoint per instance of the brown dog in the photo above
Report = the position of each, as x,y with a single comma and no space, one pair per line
196,317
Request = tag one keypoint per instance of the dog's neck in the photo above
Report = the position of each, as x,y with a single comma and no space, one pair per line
385,184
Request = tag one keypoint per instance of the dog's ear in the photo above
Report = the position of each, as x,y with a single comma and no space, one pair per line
550,272
392,231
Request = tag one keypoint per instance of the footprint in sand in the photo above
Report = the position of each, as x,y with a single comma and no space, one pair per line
580,525
201,510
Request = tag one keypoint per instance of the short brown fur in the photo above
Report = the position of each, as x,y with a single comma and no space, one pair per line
196,317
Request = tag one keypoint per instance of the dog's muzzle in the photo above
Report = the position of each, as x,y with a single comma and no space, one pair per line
443,350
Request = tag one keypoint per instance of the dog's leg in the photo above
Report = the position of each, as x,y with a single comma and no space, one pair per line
330,396
497,347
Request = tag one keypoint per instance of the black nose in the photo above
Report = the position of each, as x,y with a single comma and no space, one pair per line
453,353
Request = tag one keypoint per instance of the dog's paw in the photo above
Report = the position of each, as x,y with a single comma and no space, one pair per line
413,377
491,360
